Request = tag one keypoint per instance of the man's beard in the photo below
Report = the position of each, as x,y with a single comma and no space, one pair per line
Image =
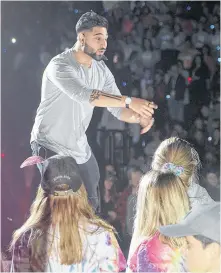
90,52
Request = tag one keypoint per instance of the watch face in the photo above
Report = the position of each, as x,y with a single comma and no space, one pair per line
128,100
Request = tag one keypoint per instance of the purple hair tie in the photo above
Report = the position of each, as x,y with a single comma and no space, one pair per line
177,170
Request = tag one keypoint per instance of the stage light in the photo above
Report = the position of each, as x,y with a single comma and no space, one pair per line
188,8
2,155
13,40
189,79
124,84
167,96
219,59
212,26
76,11
210,138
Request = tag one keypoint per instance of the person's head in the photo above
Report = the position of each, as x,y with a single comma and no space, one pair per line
61,204
201,227
181,154
203,19
210,158
216,134
162,198
199,136
134,174
197,61
92,35
110,170
109,183
205,111
110,186
198,123
212,178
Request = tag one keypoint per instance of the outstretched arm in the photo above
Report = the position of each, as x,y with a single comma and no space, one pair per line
68,81
140,106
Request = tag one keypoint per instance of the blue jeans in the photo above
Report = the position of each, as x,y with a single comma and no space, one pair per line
89,172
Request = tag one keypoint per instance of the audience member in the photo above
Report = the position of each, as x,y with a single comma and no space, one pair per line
149,251
201,227
62,233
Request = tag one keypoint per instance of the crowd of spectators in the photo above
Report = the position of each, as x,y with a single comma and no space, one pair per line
172,58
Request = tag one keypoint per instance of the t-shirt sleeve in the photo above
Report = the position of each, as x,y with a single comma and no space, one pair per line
140,262
111,258
65,77
198,195
111,88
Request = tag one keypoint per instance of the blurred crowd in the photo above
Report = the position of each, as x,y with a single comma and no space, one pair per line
158,51
172,58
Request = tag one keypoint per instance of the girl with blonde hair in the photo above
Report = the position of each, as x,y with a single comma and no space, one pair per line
175,154
162,199
62,233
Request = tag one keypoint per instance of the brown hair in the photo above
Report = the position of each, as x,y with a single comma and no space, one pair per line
62,216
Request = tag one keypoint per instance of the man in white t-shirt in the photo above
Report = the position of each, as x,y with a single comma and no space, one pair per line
73,83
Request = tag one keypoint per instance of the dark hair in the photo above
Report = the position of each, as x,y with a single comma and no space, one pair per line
89,20
204,240
194,61
113,192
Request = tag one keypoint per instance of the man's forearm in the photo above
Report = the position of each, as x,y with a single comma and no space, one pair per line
129,116
102,99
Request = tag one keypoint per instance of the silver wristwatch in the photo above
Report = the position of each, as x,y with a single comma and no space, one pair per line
128,101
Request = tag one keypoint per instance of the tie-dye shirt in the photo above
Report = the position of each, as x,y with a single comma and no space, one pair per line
154,256
101,253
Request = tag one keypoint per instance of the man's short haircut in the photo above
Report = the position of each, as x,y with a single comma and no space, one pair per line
204,240
89,20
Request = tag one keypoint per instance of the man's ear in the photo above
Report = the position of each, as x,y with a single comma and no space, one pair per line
81,38
213,251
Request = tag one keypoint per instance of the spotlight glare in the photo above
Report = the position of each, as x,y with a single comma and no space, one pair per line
13,40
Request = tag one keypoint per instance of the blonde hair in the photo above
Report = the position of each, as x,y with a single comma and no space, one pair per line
65,214
162,200
179,152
